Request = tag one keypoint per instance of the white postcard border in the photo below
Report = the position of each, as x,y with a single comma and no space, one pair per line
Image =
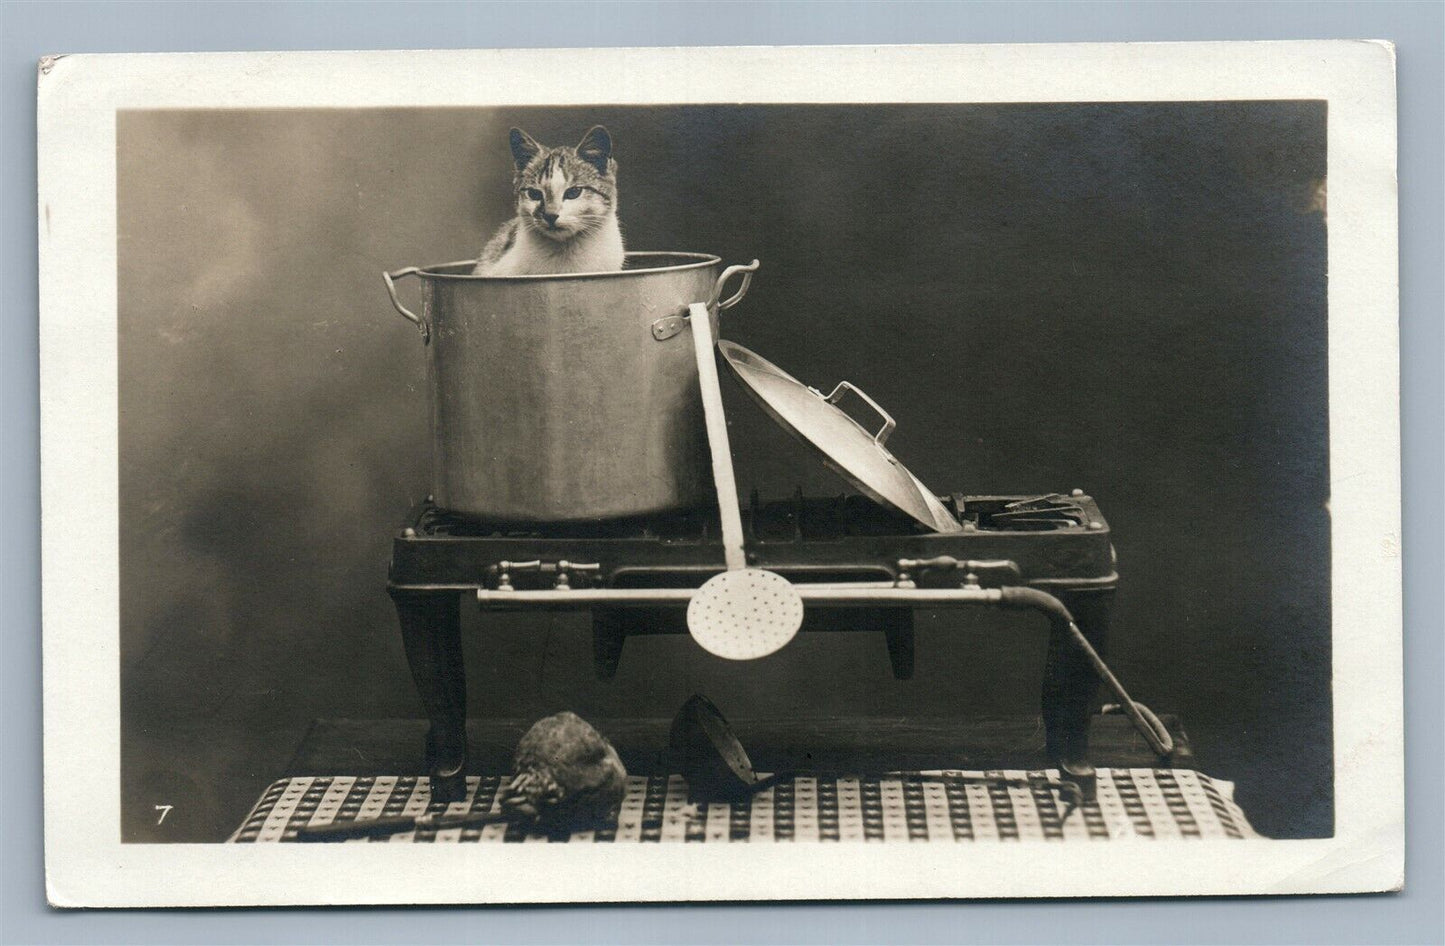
87,865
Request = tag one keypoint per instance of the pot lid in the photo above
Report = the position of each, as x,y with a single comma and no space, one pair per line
846,447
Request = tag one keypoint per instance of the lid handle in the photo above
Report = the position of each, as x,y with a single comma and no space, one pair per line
889,423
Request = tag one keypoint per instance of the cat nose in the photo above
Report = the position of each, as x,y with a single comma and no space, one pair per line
550,218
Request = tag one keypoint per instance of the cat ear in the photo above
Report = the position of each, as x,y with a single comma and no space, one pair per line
596,148
524,148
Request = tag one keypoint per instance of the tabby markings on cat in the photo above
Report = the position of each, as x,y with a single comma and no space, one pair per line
566,218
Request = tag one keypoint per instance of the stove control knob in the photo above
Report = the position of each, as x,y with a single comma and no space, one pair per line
505,569
566,569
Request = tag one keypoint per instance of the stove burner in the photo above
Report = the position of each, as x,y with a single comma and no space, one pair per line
1054,511
696,524
796,519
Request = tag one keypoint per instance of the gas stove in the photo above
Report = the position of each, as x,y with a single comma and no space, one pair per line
859,566
1043,541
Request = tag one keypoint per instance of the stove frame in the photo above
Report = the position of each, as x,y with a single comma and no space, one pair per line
858,566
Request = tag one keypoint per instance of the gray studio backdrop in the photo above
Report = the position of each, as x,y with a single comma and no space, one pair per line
1124,298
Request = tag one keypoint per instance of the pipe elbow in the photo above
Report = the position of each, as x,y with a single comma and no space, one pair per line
1016,596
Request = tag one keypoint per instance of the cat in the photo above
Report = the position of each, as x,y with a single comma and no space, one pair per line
566,218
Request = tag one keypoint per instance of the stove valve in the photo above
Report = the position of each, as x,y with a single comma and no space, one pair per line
970,567
505,569
564,570
563,582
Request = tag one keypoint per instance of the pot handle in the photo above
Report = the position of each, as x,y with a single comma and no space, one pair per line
406,313
889,423
717,302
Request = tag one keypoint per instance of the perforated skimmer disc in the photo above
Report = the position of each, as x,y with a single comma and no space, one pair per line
744,614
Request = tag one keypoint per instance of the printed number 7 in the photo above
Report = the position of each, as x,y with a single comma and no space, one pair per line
164,810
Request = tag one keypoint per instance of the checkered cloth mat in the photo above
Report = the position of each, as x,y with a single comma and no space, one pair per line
915,806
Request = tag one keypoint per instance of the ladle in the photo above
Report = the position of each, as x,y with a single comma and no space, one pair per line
713,761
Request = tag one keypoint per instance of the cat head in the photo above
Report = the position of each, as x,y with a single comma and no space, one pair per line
564,192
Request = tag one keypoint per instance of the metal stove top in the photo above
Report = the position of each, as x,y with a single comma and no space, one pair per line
1025,539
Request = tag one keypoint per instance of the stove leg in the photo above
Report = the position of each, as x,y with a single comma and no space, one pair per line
1070,685
898,633
431,633
608,636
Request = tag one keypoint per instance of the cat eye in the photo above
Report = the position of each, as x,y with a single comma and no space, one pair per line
572,193
532,193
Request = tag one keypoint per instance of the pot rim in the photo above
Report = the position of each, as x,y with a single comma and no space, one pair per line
695,261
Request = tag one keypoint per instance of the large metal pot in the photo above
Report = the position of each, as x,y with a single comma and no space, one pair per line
567,398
